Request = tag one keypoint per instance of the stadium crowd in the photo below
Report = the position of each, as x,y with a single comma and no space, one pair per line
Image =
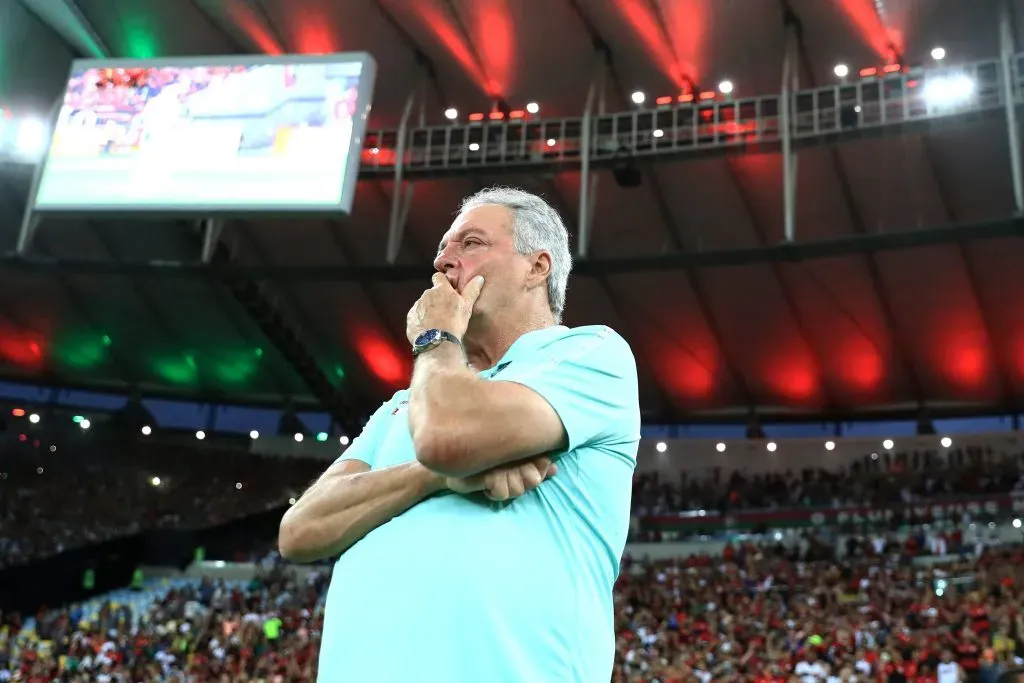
767,608
190,490
758,613
150,489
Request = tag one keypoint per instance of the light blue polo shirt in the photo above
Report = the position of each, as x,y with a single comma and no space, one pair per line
459,589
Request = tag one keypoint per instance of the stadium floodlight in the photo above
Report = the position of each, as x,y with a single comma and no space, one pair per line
298,437
84,423
830,445
720,447
254,435
451,113
841,71
474,147
31,139
154,481
552,142
146,430
771,446
638,97
657,132
943,92
200,435
938,53
532,107
343,440
661,446
238,486
946,442
33,418
725,87
887,444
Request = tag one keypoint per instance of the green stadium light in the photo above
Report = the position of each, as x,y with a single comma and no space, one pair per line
322,436
77,419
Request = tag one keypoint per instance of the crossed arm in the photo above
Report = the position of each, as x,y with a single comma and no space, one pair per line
468,434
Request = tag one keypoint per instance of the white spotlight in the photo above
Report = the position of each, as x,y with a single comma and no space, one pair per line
533,107
948,91
146,430
552,142
474,147
938,53
661,446
200,435
771,446
887,444
946,442
298,437
155,481
830,445
254,435
31,138
33,418
291,501
238,486
1016,523
343,440
451,113
720,447
725,87
638,97
841,71
84,423
657,132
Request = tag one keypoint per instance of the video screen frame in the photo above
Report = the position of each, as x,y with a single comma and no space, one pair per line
365,85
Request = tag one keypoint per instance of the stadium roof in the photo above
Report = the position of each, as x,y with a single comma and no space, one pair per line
727,330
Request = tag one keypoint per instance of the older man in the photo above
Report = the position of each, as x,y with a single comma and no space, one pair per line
482,513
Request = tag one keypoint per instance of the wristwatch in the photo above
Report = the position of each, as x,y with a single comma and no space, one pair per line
431,338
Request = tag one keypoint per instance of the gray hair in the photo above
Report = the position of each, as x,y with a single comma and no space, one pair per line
536,226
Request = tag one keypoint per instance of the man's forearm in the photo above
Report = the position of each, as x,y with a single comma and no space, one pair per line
342,507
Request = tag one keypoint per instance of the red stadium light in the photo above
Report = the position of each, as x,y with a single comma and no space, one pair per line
868,71
663,101
708,95
517,114
913,84
496,116
686,98
22,438
18,412
892,68
476,117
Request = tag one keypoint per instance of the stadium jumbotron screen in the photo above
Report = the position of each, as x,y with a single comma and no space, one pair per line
209,135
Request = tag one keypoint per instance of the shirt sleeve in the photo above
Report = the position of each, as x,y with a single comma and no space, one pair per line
589,377
364,447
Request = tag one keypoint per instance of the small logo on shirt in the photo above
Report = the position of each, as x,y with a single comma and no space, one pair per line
501,366
398,408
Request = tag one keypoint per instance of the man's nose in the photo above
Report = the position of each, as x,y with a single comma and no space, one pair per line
444,261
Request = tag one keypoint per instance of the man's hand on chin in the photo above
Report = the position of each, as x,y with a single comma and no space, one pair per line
507,481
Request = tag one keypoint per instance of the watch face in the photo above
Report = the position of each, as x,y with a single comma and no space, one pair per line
428,337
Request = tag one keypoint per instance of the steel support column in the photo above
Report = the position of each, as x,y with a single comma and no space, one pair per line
790,80
588,180
1006,50
29,218
401,197
67,21
211,228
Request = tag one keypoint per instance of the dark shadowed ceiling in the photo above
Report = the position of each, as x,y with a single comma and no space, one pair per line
940,324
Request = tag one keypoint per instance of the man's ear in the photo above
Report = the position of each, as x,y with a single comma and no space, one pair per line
540,268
